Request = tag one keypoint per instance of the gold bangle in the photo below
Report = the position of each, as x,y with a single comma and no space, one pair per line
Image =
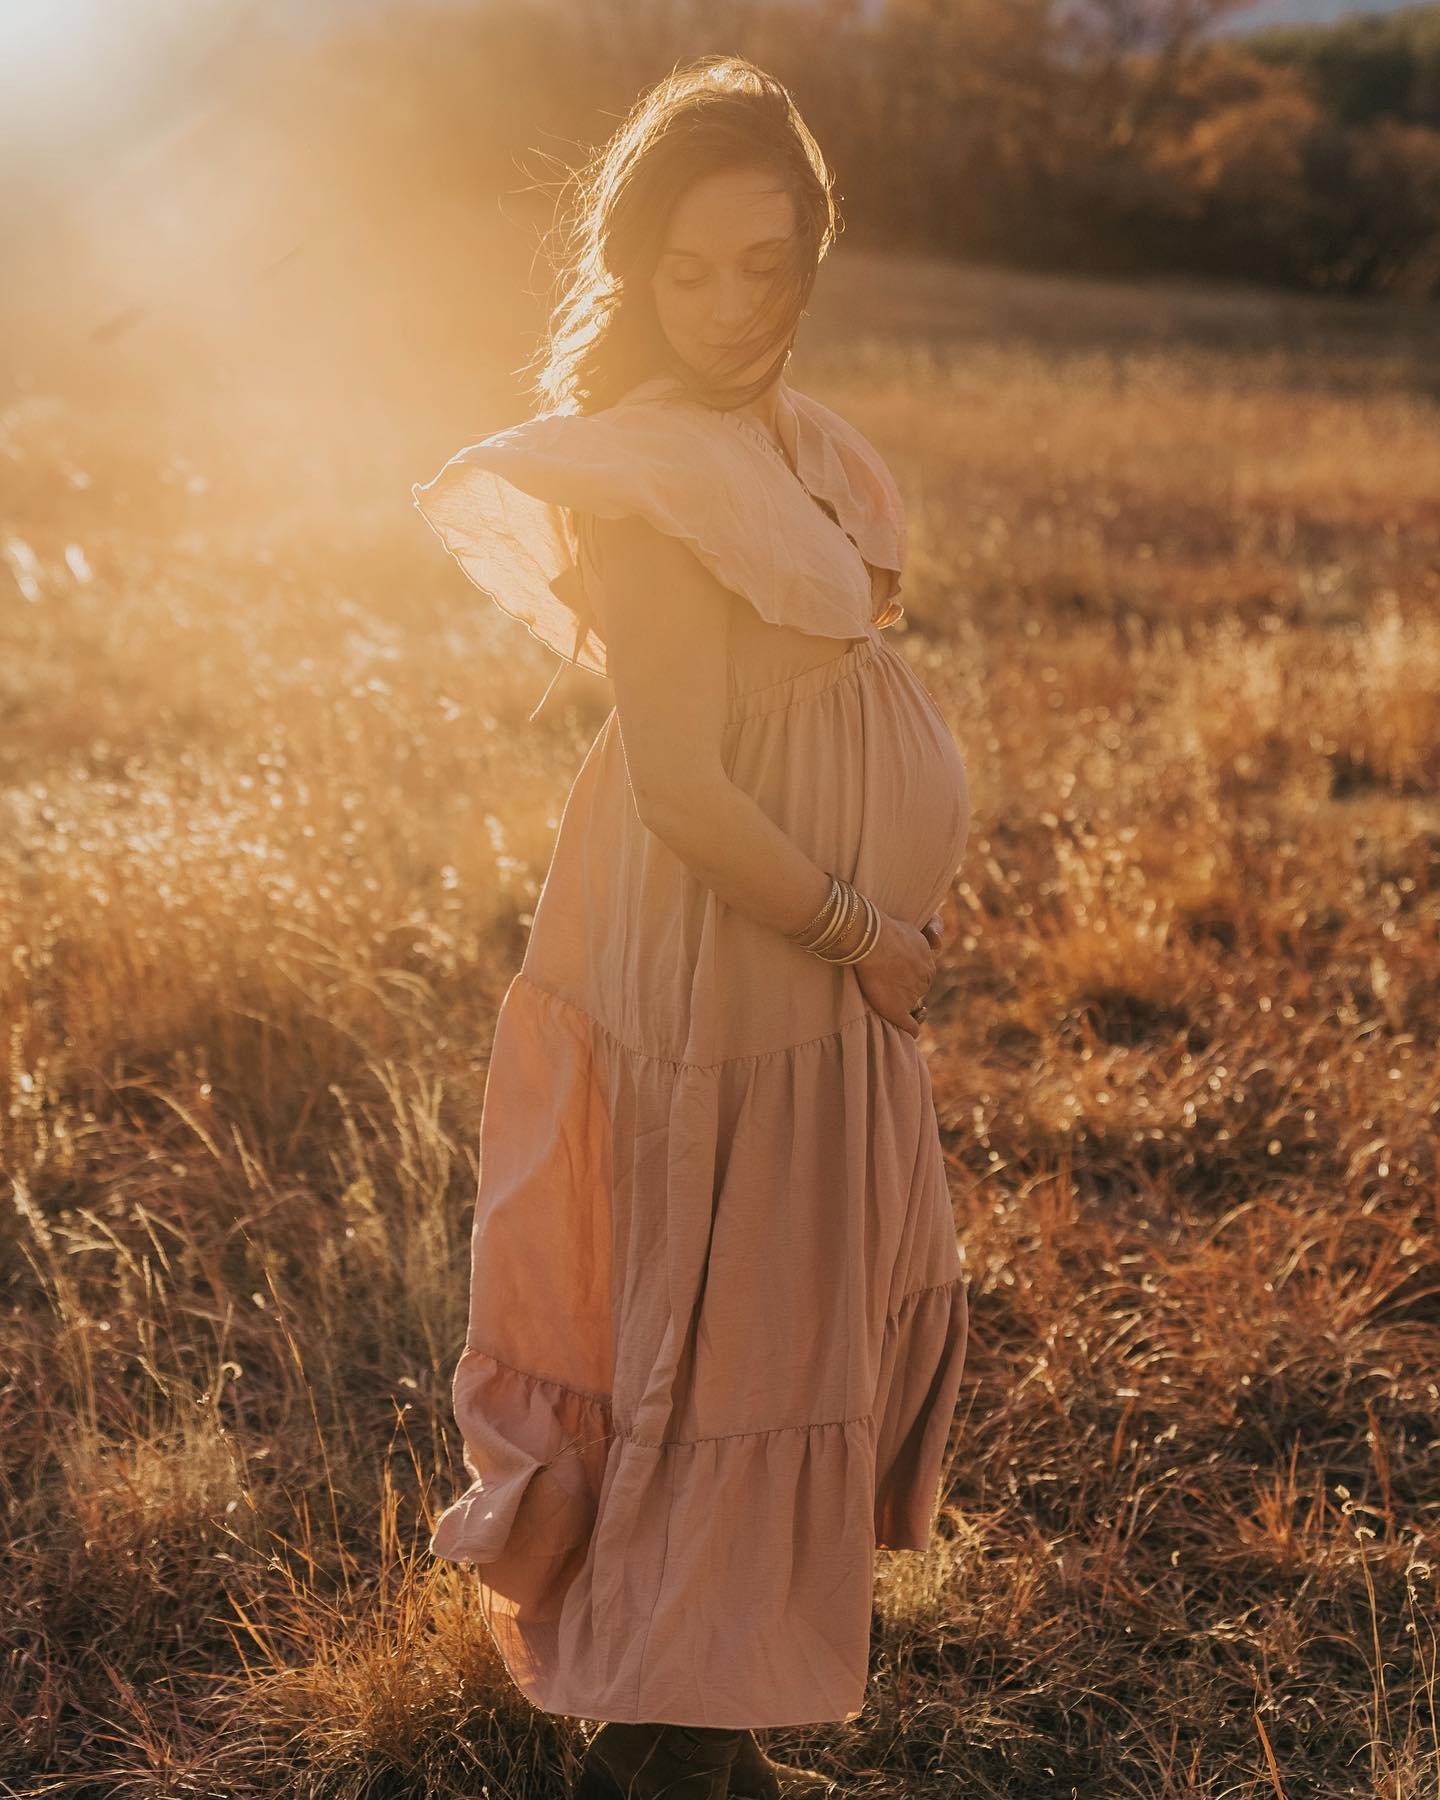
839,928
834,912
828,905
861,905
831,925
868,937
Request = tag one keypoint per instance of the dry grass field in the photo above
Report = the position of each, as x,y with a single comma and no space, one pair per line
271,826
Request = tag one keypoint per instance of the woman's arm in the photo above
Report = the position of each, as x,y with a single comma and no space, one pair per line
664,619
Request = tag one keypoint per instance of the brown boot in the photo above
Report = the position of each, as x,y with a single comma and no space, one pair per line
755,1776
645,1762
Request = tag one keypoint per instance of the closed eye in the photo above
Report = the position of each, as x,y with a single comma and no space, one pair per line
755,275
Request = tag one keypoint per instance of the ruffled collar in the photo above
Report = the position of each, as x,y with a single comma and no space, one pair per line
829,459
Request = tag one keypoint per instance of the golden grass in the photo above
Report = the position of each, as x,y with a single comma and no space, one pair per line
273,824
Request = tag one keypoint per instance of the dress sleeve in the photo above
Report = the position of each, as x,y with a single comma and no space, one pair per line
509,509
519,547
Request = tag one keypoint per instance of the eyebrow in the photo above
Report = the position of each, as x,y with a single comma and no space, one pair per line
759,244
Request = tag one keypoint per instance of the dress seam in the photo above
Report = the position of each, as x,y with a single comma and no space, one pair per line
830,662
679,1062
659,1590
861,653
606,1401
531,1375
915,1293
720,1437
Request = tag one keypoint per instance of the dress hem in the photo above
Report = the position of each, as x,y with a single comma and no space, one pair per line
585,1709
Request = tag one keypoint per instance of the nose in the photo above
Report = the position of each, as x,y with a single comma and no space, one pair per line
730,308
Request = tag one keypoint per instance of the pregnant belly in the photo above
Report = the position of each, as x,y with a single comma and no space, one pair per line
917,804
856,763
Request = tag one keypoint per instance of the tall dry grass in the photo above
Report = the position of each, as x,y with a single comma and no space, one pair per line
273,824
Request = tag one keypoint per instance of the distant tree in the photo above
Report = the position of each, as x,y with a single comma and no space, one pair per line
1387,238
1365,69
1122,135
1238,169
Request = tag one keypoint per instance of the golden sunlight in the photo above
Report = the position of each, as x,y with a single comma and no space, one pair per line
67,64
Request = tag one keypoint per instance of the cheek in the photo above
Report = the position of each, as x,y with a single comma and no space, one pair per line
679,311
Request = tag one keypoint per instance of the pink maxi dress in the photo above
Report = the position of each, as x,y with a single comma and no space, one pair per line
718,1308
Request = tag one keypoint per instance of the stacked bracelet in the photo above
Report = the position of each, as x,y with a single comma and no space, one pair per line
831,925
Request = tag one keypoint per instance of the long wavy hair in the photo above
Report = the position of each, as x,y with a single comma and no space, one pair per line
604,334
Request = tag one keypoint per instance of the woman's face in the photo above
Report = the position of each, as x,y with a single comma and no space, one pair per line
727,240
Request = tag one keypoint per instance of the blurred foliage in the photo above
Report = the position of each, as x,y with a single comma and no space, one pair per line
1104,135
1364,69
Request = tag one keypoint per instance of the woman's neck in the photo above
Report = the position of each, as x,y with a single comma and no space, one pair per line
764,409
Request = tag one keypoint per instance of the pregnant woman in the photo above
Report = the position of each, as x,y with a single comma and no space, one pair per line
717,1308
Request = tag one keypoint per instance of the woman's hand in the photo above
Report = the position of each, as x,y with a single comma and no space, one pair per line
896,973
